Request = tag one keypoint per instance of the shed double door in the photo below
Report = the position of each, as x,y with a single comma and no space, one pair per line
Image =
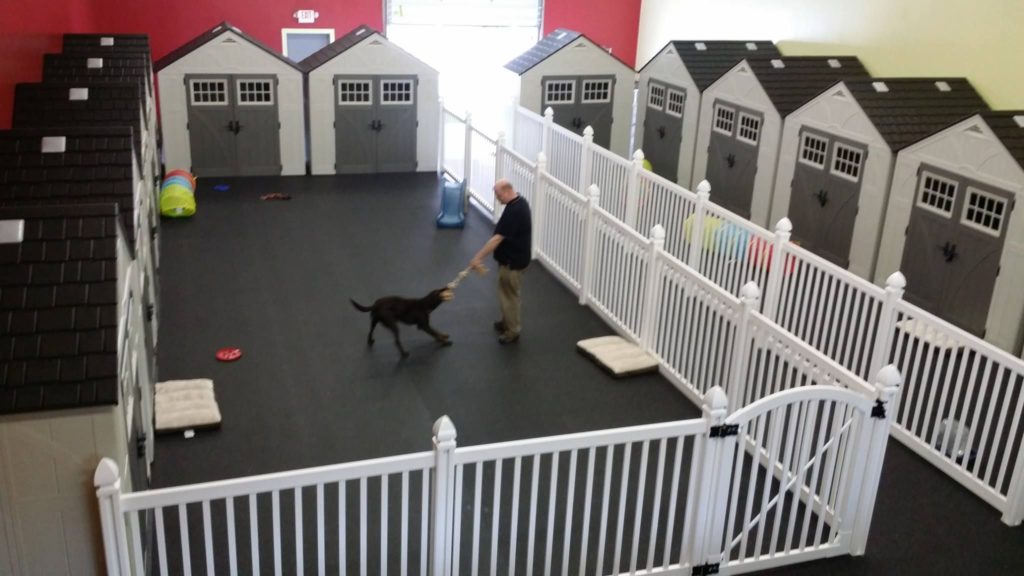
732,156
825,194
663,128
233,125
581,101
375,124
954,243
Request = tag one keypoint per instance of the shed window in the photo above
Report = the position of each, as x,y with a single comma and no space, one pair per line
984,211
812,150
209,92
847,161
597,91
750,128
255,92
675,103
937,194
560,91
724,118
354,92
656,99
396,91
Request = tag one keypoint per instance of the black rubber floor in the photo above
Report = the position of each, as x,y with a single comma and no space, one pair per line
274,278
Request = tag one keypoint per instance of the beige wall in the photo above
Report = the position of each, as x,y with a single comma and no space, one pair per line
980,40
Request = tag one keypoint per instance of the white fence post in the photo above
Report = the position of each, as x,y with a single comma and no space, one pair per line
697,227
652,293
440,140
499,150
593,201
442,499
713,486
777,256
888,384
750,297
549,121
538,208
585,158
107,480
633,189
894,286
467,158
1014,513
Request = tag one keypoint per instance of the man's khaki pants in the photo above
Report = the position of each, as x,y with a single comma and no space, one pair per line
508,296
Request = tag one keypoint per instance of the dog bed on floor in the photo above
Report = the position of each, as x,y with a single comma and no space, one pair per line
186,405
618,356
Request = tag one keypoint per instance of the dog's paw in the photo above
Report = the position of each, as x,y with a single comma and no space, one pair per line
446,342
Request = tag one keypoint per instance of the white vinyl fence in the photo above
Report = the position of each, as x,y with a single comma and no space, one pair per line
965,397
676,498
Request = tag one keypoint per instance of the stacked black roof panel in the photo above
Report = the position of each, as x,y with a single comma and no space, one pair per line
706,61
58,309
96,167
905,110
49,105
792,82
112,68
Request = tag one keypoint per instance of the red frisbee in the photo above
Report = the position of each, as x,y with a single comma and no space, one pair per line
229,354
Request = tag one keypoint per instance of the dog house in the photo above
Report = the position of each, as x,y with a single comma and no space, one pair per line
372,107
838,153
952,230
67,397
231,106
86,165
584,84
669,90
740,123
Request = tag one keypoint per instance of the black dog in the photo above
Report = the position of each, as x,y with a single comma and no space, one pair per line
391,310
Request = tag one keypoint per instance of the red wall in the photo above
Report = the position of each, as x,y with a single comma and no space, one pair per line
33,28
27,31
613,24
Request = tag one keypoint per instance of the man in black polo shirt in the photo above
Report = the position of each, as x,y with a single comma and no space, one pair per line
511,247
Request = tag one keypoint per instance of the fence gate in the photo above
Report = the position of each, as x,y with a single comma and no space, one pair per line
789,478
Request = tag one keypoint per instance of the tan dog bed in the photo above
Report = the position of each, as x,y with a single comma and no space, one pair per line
186,405
618,356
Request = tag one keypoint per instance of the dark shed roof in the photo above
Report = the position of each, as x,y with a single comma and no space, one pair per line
113,41
707,60
325,54
553,42
910,109
801,78
211,34
120,67
96,167
1007,125
58,308
48,105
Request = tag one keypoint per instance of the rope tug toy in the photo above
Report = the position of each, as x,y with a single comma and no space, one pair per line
481,270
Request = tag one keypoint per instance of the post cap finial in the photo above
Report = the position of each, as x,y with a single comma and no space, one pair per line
588,131
750,291
896,280
704,187
638,155
549,113
889,376
658,232
784,225
542,158
106,473
715,399
444,429
594,192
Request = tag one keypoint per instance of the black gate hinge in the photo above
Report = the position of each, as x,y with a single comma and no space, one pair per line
721,432
878,410
705,569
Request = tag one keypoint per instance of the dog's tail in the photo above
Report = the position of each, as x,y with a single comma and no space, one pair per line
359,306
